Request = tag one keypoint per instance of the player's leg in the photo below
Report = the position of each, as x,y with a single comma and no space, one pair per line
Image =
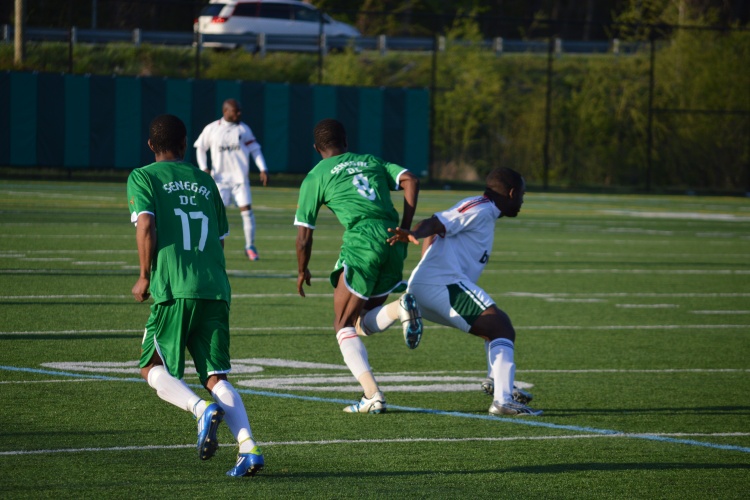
404,309
209,346
243,198
495,326
347,305
469,308
162,361
163,364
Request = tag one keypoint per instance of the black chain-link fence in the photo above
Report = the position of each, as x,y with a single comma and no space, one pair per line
650,108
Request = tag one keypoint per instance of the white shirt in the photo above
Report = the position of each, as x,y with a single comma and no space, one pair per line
463,251
230,145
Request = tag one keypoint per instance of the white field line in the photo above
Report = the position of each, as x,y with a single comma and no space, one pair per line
531,295
432,327
373,441
426,374
51,381
720,312
647,306
286,274
26,253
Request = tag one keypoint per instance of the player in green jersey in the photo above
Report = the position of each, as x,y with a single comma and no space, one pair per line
180,229
356,188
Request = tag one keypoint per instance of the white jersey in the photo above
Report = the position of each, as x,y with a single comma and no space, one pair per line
231,145
463,251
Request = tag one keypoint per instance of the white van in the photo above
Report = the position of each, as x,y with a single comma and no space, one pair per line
272,17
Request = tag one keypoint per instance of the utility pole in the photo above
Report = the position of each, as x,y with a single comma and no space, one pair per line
18,56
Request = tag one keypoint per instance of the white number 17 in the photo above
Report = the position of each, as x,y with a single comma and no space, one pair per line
186,228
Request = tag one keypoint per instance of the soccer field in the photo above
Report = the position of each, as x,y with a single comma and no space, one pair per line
633,334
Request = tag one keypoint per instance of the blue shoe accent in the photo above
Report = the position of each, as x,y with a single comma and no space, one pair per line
376,404
411,320
207,425
248,464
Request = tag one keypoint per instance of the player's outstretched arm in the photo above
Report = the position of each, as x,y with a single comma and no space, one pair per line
423,229
304,251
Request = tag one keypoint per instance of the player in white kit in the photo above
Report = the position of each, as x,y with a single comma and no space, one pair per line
458,243
232,143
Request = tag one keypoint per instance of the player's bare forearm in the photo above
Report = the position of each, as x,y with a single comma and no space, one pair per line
426,228
304,251
145,237
410,184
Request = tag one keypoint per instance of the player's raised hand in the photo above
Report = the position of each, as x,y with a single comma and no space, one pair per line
401,234
303,278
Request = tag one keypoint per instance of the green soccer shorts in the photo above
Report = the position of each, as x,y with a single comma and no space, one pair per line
371,266
200,325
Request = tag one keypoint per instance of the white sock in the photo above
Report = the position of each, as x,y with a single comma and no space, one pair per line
503,369
487,358
174,391
248,226
353,350
234,414
381,318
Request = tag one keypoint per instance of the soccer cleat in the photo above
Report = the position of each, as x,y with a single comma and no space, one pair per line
513,408
376,404
252,253
411,320
519,395
248,464
207,425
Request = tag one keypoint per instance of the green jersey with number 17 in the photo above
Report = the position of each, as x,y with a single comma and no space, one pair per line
190,223
354,187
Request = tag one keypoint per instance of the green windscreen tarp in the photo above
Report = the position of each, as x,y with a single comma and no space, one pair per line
78,121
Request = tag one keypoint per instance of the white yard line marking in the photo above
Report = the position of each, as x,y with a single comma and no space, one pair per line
533,295
372,441
542,423
647,306
327,328
273,273
720,312
51,381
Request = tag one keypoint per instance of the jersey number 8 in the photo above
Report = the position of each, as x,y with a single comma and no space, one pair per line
363,186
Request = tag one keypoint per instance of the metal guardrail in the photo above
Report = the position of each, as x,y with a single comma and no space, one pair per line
263,43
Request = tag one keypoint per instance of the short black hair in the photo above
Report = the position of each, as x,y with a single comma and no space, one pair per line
329,134
503,179
167,133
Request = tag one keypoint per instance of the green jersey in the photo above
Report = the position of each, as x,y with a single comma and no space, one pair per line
354,187
190,222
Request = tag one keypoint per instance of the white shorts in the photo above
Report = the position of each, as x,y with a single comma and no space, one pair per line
457,304
239,194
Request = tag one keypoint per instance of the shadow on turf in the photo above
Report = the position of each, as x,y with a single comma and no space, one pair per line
534,469
701,410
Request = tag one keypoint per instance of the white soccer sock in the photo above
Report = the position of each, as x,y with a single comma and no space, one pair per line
234,414
487,358
380,318
174,391
353,350
503,369
248,226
